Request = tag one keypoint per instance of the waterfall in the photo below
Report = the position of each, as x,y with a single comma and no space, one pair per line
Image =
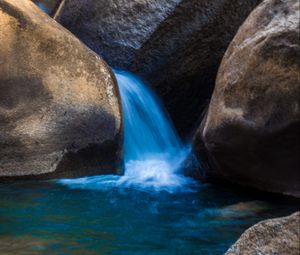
148,130
153,152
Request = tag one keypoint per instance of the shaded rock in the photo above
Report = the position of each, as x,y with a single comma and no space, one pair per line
114,29
59,108
250,134
176,45
192,167
273,237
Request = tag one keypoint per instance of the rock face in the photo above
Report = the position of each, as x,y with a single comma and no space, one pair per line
273,237
250,134
176,45
59,108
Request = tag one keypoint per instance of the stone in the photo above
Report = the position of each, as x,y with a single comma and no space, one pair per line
270,237
175,45
250,134
60,113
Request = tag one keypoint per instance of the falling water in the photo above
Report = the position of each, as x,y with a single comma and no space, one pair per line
153,152
148,131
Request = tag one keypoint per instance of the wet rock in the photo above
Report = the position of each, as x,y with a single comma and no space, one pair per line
59,104
243,209
250,134
272,237
176,45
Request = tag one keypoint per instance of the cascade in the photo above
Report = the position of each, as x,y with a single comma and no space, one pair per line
153,152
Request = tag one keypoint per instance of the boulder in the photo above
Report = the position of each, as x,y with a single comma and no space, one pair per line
273,237
176,45
250,134
60,113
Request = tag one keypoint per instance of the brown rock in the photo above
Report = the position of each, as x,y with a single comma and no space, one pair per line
59,107
176,45
250,134
280,236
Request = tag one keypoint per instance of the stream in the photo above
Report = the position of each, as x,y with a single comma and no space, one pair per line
152,209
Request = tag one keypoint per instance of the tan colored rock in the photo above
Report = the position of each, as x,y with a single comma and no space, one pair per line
59,104
250,135
280,236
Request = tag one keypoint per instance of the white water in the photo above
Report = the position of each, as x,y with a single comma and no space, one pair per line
153,152
148,131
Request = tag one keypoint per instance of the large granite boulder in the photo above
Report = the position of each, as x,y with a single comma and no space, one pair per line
270,237
250,134
176,45
59,104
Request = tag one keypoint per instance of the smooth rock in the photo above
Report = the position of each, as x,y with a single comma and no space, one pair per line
175,45
60,113
280,236
250,135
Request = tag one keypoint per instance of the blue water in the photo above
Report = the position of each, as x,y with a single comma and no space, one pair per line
151,210
42,7
47,218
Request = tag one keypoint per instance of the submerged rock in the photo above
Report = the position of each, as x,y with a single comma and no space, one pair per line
273,237
59,105
28,245
250,134
176,45
242,209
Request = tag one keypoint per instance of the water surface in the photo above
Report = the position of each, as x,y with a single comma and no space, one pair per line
50,218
